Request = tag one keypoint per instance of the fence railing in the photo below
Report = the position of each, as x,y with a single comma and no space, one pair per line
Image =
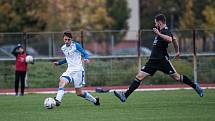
116,55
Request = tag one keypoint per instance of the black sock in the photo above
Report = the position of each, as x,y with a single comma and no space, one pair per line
187,81
134,85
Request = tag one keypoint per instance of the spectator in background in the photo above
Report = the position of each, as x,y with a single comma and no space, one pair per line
21,68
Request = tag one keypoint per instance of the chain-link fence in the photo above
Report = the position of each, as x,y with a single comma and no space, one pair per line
116,56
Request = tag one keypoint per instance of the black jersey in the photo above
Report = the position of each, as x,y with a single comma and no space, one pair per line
159,49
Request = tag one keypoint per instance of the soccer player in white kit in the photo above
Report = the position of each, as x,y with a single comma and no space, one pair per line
75,72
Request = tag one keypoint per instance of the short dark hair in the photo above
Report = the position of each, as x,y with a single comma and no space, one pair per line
68,34
160,17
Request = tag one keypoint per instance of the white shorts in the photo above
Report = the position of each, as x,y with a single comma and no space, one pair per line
77,77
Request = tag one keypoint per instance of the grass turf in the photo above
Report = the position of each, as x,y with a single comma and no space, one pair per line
180,105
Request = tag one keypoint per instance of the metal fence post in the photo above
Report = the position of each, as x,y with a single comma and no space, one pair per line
50,41
52,45
194,57
82,38
112,46
25,41
138,49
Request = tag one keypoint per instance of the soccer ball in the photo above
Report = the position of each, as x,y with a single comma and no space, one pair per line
49,103
29,59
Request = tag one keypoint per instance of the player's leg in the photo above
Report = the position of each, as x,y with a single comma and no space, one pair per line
169,69
183,79
22,76
147,70
136,82
186,80
133,86
17,83
86,95
64,80
78,78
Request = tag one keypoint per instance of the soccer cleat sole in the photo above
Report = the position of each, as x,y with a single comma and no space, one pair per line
97,102
119,96
199,90
57,102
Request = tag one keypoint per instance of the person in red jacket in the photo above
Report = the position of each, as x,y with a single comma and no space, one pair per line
21,68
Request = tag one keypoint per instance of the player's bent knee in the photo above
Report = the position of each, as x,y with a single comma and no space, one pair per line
141,76
176,77
79,92
80,95
62,83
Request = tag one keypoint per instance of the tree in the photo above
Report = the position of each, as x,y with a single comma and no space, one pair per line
76,15
22,15
188,20
198,7
209,14
194,16
173,9
118,10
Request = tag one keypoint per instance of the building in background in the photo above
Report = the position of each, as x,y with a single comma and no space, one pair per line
133,21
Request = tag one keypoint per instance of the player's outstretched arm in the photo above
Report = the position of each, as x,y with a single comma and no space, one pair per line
87,61
60,62
176,46
83,52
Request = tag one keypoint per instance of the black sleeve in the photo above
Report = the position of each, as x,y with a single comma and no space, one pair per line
166,32
14,52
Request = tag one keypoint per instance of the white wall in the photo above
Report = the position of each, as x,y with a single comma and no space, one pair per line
134,20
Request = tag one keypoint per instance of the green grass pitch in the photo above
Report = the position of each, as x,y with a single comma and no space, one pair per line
180,105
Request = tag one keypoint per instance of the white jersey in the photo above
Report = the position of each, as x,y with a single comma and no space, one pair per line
73,55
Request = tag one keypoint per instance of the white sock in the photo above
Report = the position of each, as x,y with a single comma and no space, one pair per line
89,97
60,94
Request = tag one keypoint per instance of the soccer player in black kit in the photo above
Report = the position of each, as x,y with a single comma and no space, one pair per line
159,60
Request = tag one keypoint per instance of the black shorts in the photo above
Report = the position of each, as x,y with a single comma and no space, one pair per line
163,65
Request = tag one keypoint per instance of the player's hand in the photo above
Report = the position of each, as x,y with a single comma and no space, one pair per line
177,56
87,61
56,63
156,31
